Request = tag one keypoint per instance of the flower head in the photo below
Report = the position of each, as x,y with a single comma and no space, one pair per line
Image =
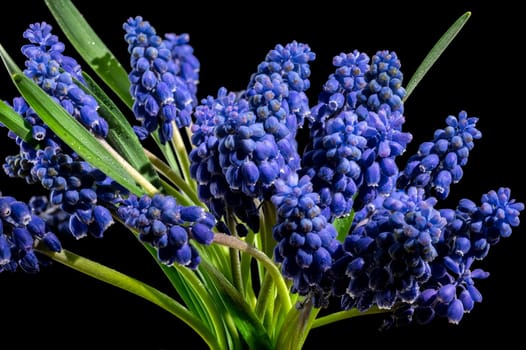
306,240
59,76
438,163
168,226
20,230
163,78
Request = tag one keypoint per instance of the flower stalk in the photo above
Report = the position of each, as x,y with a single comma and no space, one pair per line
129,284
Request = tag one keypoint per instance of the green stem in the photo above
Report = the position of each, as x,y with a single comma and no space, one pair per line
233,242
216,255
193,292
342,315
246,321
235,259
264,296
247,272
230,328
173,176
131,285
171,191
296,326
168,154
137,176
182,153
205,298
304,324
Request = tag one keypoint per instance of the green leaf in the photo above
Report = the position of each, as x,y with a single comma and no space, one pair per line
342,226
244,317
190,289
132,285
90,47
337,316
14,122
120,134
67,128
435,52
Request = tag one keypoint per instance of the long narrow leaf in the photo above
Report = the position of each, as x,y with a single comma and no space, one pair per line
244,317
121,135
14,122
132,285
68,129
90,47
193,293
435,52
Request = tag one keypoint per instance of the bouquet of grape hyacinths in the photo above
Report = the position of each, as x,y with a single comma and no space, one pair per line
270,214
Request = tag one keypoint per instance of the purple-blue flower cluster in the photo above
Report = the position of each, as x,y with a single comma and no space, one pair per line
438,163
401,251
470,231
79,195
388,251
163,79
81,199
306,240
243,142
208,165
384,83
276,94
168,226
59,76
353,146
20,230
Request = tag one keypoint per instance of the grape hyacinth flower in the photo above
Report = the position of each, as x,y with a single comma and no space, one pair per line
342,88
384,83
438,163
205,167
185,63
74,185
306,240
163,79
57,73
268,214
332,156
276,94
19,231
388,255
81,190
470,231
169,227
351,156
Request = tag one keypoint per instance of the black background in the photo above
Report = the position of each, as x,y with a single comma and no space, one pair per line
481,72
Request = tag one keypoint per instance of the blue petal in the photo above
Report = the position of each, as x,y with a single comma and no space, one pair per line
78,228
20,213
177,236
191,214
22,239
183,255
202,233
455,311
52,242
5,251
447,293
